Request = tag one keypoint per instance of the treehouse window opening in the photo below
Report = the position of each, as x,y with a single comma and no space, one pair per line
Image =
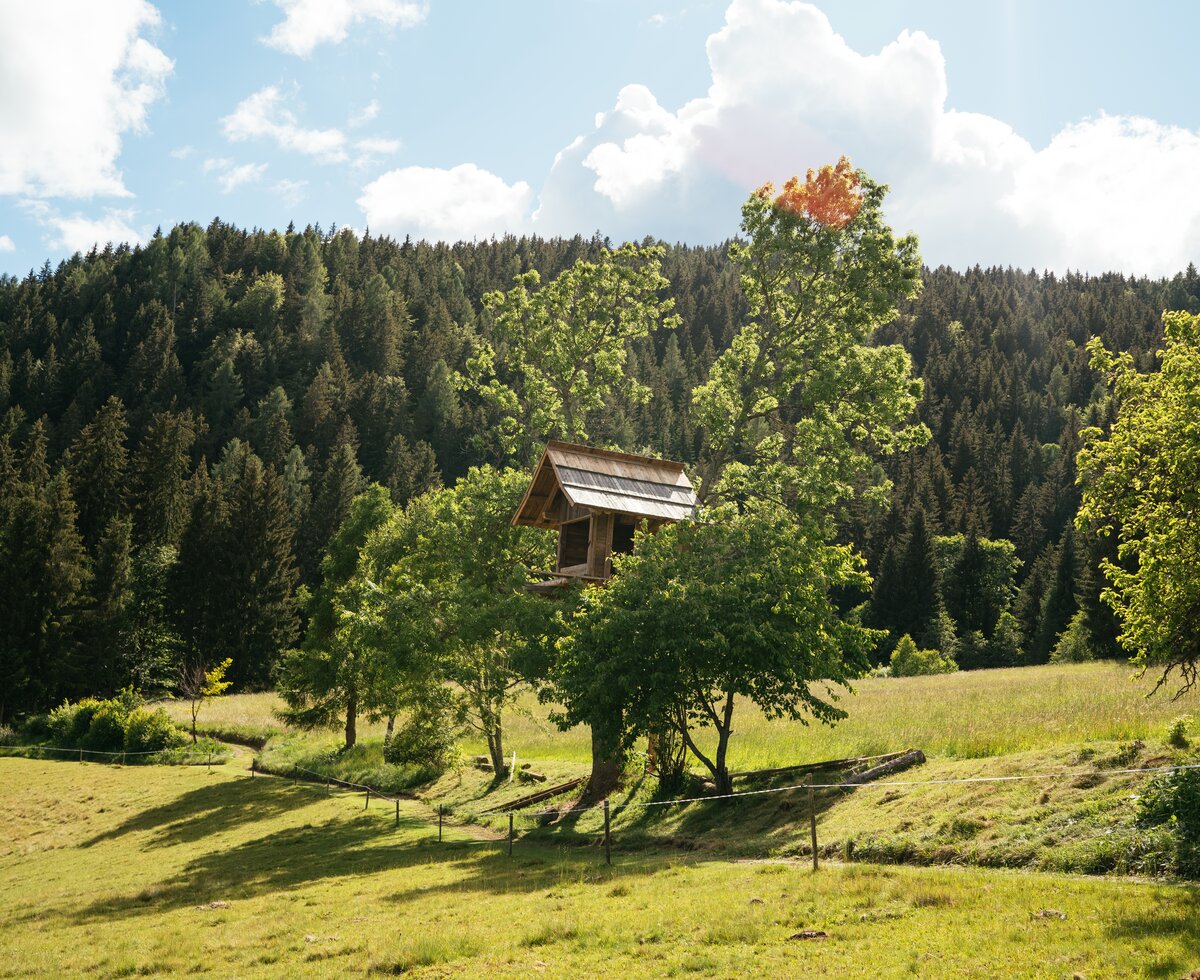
622,542
573,549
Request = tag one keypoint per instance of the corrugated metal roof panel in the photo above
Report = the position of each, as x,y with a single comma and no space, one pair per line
626,486
638,506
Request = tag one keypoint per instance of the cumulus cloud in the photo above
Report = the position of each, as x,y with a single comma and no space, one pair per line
308,23
291,192
463,202
7,244
79,77
264,115
78,233
788,93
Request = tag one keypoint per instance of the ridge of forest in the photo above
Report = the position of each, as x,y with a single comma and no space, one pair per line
184,425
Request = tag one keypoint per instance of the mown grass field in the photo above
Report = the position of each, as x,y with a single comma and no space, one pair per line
111,872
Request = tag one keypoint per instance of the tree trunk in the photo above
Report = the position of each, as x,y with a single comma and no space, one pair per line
351,719
606,774
495,742
391,726
721,776
195,711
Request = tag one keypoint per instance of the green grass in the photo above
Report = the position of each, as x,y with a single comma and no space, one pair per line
120,872
968,715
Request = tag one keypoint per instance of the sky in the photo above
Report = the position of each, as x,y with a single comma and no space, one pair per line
1062,136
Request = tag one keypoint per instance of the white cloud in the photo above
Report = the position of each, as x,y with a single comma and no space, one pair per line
308,23
360,117
76,78
182,152
787,93
264,116
231,176
463,202
78,233
378,146
291,192
7,244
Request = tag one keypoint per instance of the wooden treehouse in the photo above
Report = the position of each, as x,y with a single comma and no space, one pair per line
595,499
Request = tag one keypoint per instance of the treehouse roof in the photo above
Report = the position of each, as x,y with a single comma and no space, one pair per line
604,480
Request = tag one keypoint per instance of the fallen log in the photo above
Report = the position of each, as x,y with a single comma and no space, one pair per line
913,757
537,797
529,776
816,766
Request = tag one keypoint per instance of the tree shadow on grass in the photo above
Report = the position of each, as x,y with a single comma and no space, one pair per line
1180,922
213,809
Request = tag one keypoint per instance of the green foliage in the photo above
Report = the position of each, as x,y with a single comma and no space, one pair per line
1177,732
702,612
442,596
802,380
1073,644
1173,798
555,357
428,738
332,676
908,661
1139,484
106,733
151,731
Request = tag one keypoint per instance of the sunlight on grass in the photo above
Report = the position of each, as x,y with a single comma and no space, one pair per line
173,871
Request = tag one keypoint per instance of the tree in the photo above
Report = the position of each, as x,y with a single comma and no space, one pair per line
802,389
1141,482
98,462
735,605
793,412
554,356
330,676
450,572
196,684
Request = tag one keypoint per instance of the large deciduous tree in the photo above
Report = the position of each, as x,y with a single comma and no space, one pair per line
794,413
554,356
450,572
1141,483
738,604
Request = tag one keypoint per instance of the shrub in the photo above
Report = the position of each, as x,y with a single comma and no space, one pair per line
106,733
1173,798
1073,646
151,731
35,728
426,739
1177,732
908,661
8,736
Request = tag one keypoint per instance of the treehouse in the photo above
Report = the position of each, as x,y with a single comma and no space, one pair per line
595,499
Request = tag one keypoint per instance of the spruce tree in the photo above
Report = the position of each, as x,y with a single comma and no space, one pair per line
98,464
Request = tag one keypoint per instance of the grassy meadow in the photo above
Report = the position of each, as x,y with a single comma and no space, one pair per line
968,715
113,872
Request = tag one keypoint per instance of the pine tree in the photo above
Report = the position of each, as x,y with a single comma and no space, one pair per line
98,464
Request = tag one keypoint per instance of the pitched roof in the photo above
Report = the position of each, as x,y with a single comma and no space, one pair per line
601,479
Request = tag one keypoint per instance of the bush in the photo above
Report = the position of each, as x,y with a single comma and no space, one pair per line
1177,732
908,661
151,731
1073,646
8,736
106,733
35,728
1173,798
427,739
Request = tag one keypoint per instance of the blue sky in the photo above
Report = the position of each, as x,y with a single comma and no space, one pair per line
1062,135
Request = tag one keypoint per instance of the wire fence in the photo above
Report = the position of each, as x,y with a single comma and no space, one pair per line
609,810
113,755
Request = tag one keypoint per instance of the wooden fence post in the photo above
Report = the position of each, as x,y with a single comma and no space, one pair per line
607,835
367,802
812,818
510,833
397,811
439,823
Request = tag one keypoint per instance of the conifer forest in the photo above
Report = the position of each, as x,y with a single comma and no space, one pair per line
185,424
